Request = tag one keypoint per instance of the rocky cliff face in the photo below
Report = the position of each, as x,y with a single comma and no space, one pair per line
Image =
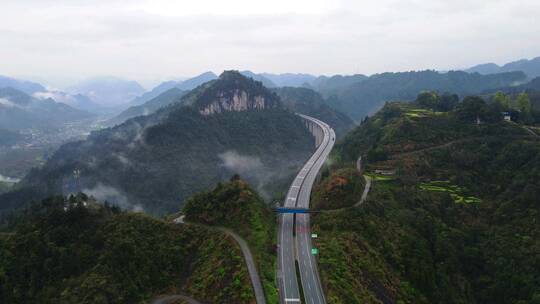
234,92
239,101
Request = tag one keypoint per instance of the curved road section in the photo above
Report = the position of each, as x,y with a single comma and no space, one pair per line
295,246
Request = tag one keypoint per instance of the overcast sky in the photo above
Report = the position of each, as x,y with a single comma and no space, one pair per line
63,41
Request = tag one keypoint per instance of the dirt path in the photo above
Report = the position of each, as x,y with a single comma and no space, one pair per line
445,145
367,187
531,131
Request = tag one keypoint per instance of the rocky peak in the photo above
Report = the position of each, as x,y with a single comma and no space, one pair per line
233,91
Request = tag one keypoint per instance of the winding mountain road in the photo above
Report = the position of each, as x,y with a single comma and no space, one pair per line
250,262
294,237
246,252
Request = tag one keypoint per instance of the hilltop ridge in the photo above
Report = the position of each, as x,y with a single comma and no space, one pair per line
153,162
450,217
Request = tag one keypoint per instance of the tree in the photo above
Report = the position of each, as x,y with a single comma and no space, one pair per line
448,102
428,99
524,105
472,108
432,100
503,100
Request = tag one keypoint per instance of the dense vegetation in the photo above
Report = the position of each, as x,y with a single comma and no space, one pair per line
237,206
154,162
309,102
523,101
72,250
457,223
366,96
343,188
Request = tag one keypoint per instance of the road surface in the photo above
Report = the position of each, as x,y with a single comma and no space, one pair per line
296,245
250,262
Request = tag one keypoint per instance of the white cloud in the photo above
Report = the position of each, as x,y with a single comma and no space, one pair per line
241,164
7,103
56,96
157,39
112,195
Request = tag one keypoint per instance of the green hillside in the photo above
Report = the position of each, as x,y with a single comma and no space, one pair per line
76,251
452,216
366,96
235,205
155,162
309,102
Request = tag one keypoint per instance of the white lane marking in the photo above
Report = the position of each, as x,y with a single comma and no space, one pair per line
318,162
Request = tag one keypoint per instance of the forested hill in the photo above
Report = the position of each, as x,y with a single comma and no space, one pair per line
236,206
309,102
74,250
367,95
154,162
452,215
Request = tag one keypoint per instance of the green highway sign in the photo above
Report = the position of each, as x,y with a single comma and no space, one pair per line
314,251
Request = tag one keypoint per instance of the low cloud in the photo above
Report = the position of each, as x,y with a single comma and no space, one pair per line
112,195
252,169
241,164
123,159
7,103
8,179
56,96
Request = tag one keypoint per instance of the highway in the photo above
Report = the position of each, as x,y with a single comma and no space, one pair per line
296,245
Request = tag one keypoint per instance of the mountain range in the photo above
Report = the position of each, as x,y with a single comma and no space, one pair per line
163,99
229,125
19,111
289,79
364,97
184,85
108,91
530,67
27,87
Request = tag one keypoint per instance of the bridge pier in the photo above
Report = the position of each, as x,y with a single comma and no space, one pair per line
315,130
